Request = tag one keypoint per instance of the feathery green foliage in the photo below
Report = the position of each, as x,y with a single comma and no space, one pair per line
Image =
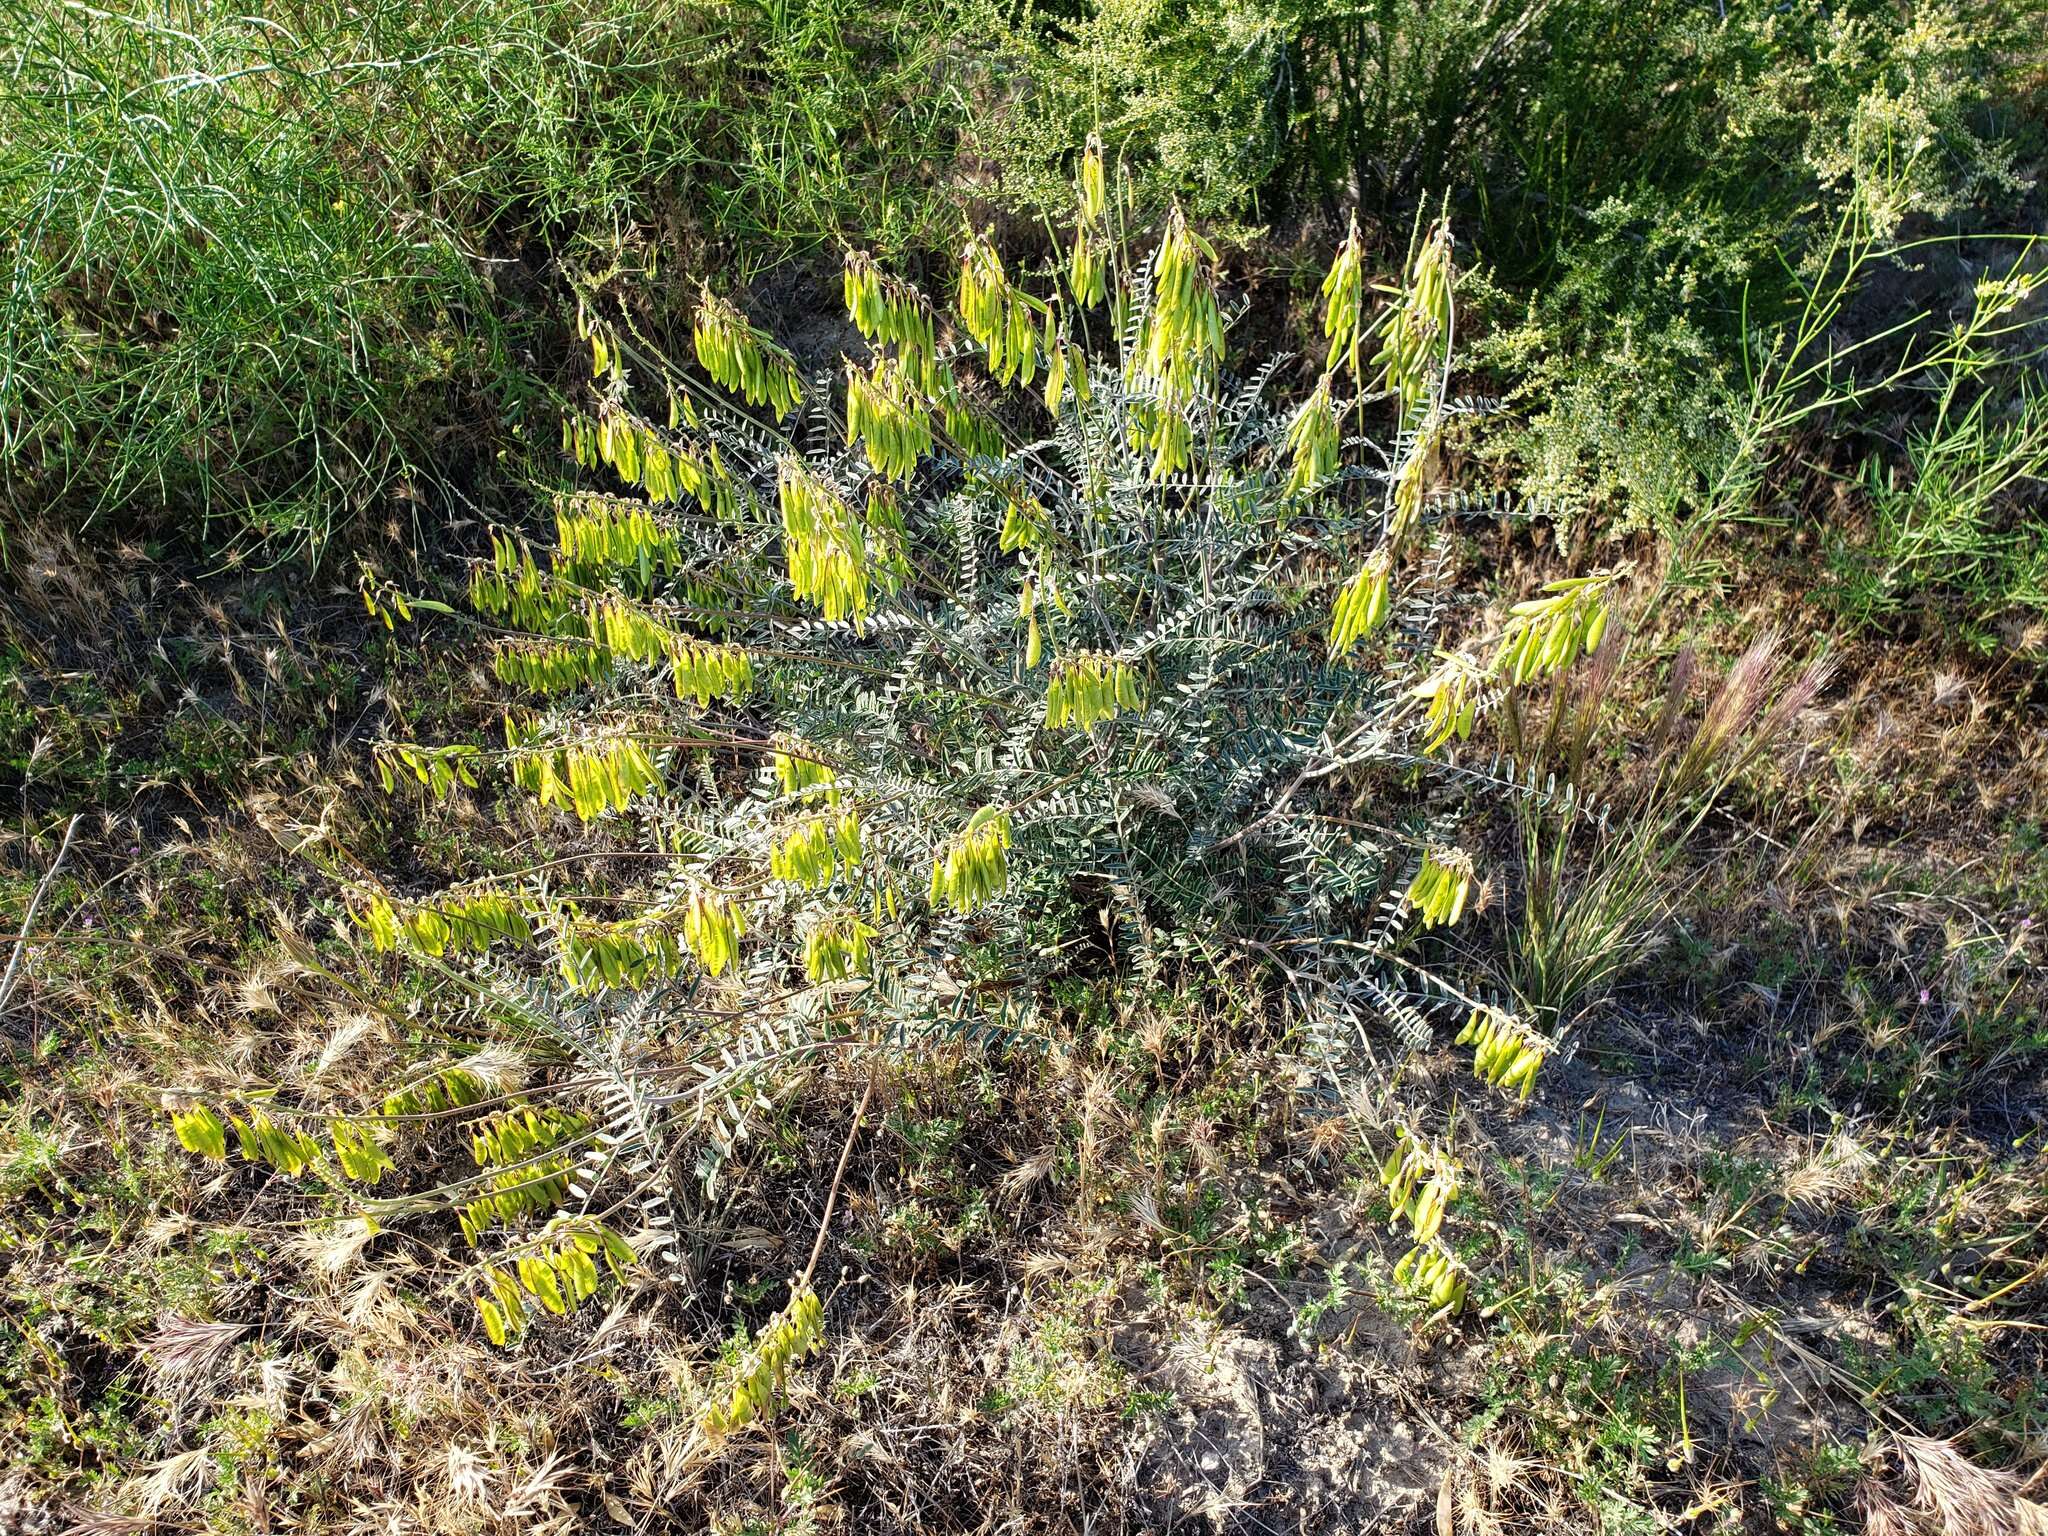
934,736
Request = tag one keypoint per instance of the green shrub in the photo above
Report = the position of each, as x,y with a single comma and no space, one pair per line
1193,100
1679,177
1646,179
1952,524
1954,518
216,306
267,263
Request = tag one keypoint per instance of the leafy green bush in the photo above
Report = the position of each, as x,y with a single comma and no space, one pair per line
267,262
1955,519
1646,179
1680,174
1193,100
211,308
1951,522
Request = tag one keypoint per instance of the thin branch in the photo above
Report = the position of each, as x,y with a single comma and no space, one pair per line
832,1194
28,921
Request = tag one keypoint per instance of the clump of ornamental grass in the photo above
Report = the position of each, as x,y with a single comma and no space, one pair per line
1599,873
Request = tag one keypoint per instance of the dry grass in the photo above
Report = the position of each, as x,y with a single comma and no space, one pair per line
1141,1281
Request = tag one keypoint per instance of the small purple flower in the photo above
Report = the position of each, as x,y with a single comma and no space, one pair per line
1923,997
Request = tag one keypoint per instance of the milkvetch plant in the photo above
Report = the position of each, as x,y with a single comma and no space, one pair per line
1089,688
885,416
1440,888
1088,266
1365,603
1416,338
1421,1180
1452,693
1506,1053
737,356
1314,436
884,686
1545,634
794,1332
